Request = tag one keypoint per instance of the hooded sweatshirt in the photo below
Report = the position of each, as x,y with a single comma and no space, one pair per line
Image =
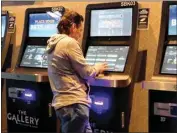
68,72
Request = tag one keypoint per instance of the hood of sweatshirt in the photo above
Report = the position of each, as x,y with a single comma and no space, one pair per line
52,42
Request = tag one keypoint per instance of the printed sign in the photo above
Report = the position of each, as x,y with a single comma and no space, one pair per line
128,3
11,24
22,118
143,19
59,8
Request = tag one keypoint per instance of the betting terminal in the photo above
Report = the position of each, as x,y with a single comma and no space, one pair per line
7,31
109,36
28,90
163,85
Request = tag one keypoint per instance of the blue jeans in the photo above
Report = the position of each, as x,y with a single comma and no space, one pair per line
74,119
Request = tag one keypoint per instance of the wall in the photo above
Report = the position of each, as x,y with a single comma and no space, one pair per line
148,40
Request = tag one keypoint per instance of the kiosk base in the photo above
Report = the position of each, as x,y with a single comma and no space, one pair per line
7,63
162,111
29,108
110,110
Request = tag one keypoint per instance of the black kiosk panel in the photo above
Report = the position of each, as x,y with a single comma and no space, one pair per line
41,26
7,31
109,36
163,84
29,95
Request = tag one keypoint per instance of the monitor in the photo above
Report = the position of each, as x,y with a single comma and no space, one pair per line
111,22
34,56
3,25
169,65
115,56
172,24
42,25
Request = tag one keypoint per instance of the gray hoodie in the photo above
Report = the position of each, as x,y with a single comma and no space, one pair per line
68,72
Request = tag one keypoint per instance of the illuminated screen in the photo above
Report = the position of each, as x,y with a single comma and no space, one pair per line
3,25
34,56
111,22
115,56
42,25
172,26
169,65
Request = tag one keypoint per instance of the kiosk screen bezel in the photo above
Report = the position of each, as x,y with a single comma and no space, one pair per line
111,38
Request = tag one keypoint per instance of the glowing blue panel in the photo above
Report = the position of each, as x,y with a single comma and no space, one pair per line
172,26
100,103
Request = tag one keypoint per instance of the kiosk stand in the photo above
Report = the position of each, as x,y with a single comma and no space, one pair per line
163,85
7,34
7,31
29,95
109,36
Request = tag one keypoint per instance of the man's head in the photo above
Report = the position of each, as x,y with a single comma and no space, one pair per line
71,24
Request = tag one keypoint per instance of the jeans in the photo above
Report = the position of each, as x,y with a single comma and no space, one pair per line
74,119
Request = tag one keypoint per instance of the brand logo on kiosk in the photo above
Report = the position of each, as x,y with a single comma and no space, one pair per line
128,3
23,119
59,8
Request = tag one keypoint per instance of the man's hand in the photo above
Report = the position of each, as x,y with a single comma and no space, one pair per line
101,67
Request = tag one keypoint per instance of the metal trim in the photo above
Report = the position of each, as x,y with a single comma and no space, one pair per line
25,77
160,85
113,81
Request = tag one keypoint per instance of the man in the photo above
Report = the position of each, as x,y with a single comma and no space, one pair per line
68,75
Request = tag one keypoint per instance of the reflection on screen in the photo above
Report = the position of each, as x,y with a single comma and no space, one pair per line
3,25
42,25
169,65
111,22
172,26
34,56
115,56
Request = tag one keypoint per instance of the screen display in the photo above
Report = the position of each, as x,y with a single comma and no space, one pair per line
111,22
115,56
42,25
169,65
3,25
172,26
34,56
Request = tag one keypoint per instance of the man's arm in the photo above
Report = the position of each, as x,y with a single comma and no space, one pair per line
79,63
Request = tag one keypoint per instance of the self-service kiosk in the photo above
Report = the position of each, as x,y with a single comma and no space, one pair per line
7,31
163,84
28,90
109,36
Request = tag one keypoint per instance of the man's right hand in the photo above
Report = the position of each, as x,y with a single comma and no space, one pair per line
101,67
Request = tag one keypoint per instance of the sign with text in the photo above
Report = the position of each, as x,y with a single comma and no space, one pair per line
11,24
143,19
22,118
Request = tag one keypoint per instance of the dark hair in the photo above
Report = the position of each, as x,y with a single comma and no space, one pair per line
67,20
